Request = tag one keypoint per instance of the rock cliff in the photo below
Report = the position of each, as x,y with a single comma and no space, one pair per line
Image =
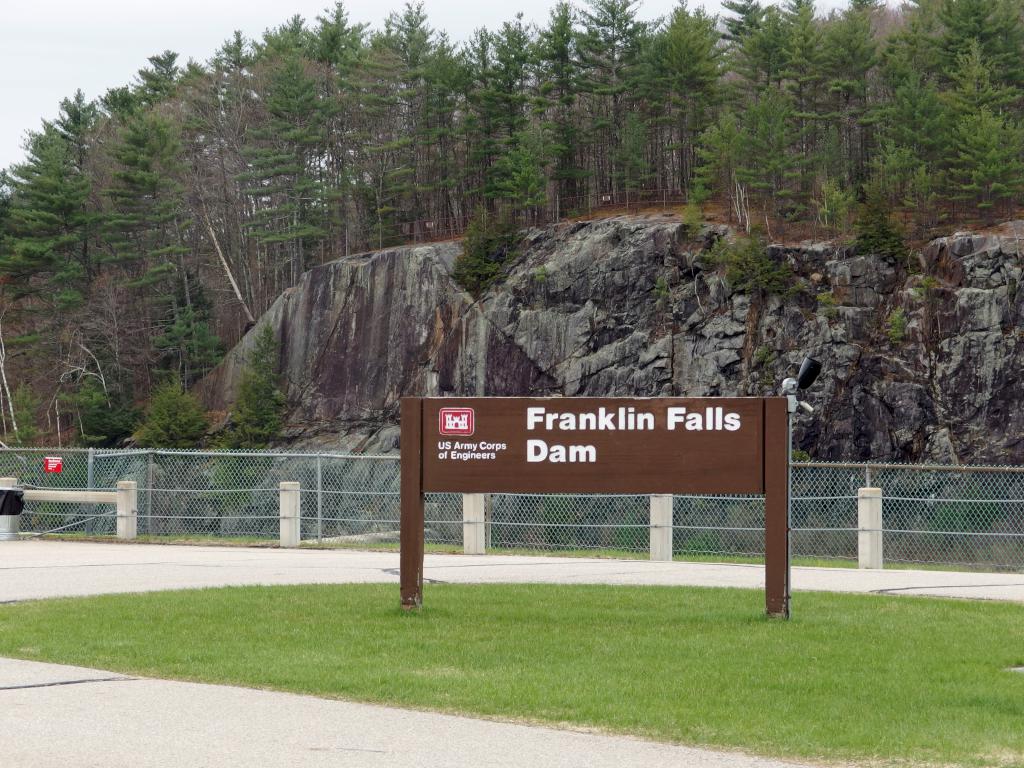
920,364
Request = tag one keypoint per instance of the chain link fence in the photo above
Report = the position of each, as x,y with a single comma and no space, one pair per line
937,515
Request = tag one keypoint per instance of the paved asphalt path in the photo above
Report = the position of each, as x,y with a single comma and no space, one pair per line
35,569
67,717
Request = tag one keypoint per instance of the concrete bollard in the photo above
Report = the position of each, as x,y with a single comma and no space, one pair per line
474,506
869,524
9,524
290,506
127,509
661,527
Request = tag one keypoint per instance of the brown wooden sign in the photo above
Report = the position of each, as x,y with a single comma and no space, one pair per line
596,445
607,445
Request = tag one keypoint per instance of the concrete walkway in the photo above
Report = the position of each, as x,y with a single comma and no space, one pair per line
68,717
38,569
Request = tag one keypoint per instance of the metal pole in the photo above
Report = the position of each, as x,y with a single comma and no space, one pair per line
319,500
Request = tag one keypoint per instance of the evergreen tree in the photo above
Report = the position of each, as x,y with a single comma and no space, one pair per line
610,48
761,56
559,92
633,168
987,168
771,166
850,54
289,196
683,72
877,234
804,61
746,20
187,345
722,171
336,41
50,220
104,420
174,419
258,412
519,177
156,82
994,26
973,89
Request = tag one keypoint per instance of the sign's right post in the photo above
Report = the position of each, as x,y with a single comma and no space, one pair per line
776,507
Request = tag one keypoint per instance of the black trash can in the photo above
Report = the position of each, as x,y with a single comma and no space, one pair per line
12,501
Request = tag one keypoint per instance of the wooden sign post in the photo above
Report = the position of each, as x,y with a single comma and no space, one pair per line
597,445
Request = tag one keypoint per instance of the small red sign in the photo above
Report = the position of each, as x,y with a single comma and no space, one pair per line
53,464
456,421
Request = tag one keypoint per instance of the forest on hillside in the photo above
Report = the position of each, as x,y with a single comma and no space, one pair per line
147,229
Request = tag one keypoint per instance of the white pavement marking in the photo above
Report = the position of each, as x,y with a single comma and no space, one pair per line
41,569
143,723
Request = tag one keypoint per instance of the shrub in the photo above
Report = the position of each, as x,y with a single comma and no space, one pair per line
749,268
105,418
488,244
828,304
896,326
174,419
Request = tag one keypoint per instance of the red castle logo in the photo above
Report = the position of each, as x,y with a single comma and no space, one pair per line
456,421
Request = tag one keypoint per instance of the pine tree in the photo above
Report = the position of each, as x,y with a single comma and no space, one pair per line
973,89
994,26
850,55
51,222
804,60
282,182
156,82
877,234
258,412
610,49
683,71
519,177
174,419
771,166
747,18
188,345
559,93
722,170
104,418
761,56
987,167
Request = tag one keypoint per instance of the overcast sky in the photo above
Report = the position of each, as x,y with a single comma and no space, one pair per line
48,48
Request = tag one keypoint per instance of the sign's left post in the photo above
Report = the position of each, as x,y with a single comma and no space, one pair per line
411,535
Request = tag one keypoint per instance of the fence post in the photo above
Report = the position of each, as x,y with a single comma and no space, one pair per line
661,527
289,508
90,483
9,524
127,509
319,500
869,523
473,505
150,478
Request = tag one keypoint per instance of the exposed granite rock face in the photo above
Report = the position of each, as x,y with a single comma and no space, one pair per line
634,307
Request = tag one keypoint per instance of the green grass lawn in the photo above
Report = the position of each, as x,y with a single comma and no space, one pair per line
851,677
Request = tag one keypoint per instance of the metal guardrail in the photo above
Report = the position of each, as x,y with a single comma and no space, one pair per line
965,516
